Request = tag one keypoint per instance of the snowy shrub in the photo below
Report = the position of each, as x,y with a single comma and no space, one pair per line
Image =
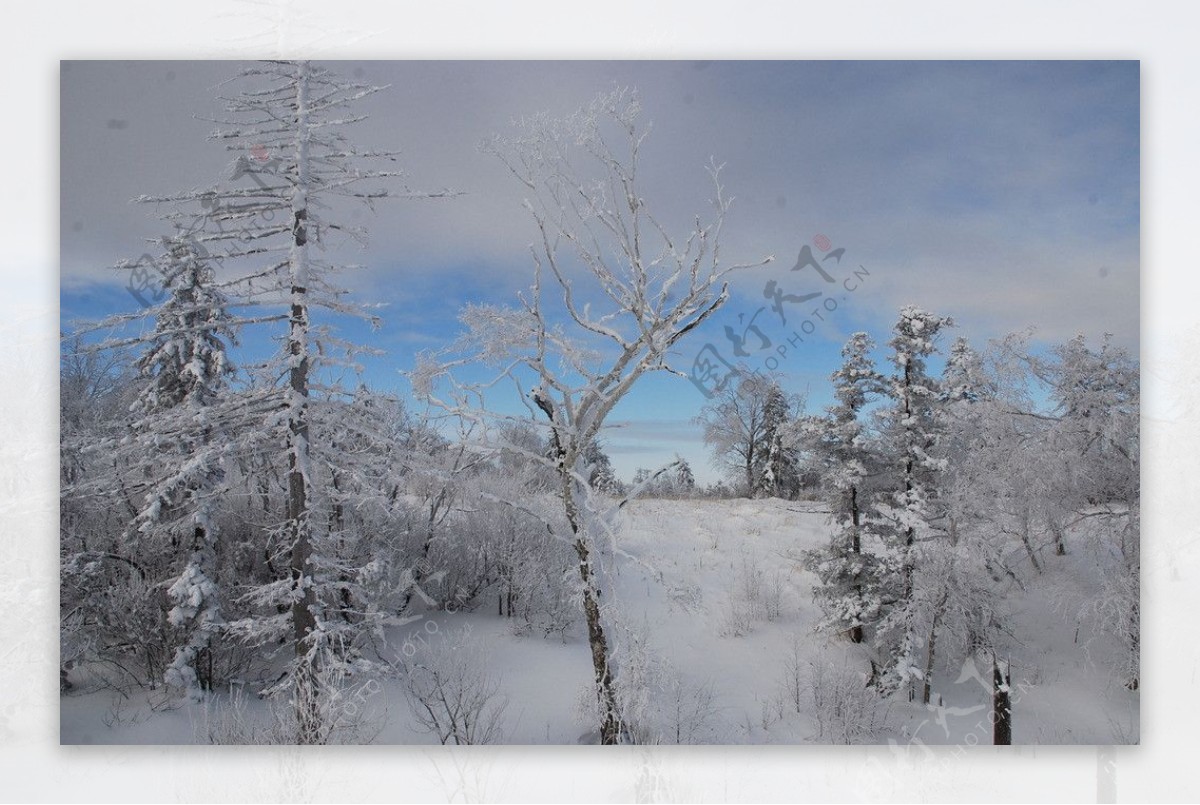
772,595
346,708
771,710
545,601
673,481
123,617
756,595
658,704
739,617
452,693
846,710
227,720
121,713
793,685
461,561
689,712
350,712
533,576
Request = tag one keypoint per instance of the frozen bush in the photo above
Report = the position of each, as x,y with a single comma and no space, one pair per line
453,694
846,710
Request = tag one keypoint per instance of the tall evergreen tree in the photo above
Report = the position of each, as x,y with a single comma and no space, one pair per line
777,473
907,521
295,173
168,456
186,370
849,591
685,480
964,378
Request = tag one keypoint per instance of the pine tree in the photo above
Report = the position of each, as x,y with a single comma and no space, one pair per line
600,473
186,370
685,480
777,473
849,575
907,521
169,459
964,379
285,126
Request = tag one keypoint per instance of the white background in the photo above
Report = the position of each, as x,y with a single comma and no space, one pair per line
33,767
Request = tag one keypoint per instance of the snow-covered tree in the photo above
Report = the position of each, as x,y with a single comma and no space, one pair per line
964,378
909,521
600,473
1096,394
96,389
685,479
298,174
613,294
167,455
675,480
180,413
778,474
523,457
746,427
849,591
1091,438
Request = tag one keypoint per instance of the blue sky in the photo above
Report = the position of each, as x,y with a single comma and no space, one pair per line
1005,194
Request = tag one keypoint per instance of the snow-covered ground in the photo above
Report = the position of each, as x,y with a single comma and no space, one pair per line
718,621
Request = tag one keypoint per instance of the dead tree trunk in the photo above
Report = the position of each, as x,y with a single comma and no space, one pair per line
304,623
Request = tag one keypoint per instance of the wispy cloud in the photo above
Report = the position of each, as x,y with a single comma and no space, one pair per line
1005,194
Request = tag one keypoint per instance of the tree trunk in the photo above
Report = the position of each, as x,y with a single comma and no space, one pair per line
909,532
610,722
1028,542
1135,647
1060,545
1001,704
856,631
418,575
204,549
750,471
932,648
304,622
